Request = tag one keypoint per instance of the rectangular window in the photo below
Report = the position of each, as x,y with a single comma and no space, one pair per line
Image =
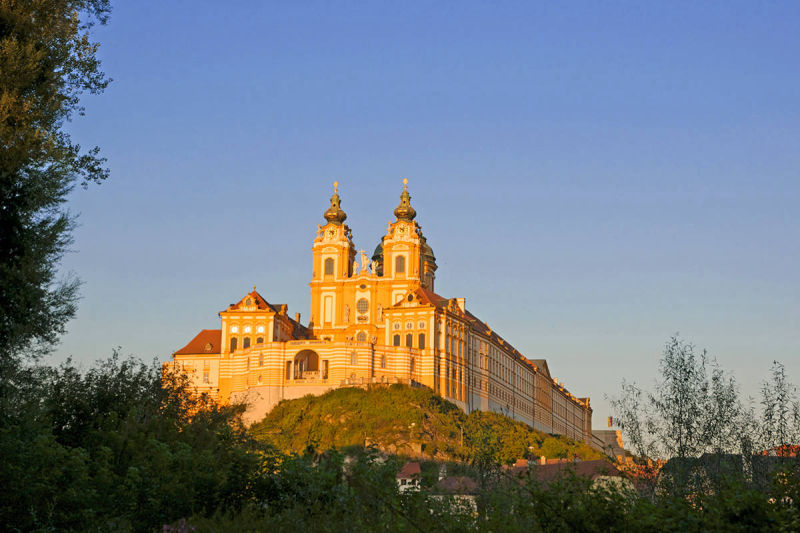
324,369
205,377
328,309
288,370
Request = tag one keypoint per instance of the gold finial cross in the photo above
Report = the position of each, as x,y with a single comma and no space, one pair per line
335,187
405,184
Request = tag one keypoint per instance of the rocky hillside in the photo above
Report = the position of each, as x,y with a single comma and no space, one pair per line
407,421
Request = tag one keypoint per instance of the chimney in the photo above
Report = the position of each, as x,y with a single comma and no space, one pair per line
297,317
462,303
284,308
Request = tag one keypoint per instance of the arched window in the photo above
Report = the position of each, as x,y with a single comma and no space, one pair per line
329,266
413,365
421,341
400,264
409,340
233,344
246,343
396,340
362,336
260,340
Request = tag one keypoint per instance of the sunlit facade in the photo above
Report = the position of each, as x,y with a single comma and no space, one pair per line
375,320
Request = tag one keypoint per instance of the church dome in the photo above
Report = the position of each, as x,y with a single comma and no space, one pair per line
334,213
377,255
404,211
427,251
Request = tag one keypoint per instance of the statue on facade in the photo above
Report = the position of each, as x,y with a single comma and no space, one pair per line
374,267
364,261
380,312
355,267
346,314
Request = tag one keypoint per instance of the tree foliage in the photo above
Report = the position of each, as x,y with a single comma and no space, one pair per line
47,61
693,409
120,448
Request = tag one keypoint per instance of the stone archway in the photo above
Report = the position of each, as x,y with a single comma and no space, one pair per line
306,364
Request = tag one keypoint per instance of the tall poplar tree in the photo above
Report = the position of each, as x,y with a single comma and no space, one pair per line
47,61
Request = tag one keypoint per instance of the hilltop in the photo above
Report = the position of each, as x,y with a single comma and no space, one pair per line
402,420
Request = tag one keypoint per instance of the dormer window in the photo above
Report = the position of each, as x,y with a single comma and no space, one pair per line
248,302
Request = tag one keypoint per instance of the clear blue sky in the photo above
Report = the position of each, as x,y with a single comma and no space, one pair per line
592,179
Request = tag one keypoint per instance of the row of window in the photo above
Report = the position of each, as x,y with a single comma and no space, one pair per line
409,325
410,340
399,265
247,329
245,342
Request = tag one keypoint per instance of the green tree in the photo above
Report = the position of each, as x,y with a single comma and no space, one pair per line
47,61
693,410
780,420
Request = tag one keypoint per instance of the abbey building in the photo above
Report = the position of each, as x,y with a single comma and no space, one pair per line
375,320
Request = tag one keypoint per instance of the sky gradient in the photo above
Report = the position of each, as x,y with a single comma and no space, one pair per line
592,180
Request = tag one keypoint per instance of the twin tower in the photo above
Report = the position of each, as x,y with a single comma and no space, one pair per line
349,291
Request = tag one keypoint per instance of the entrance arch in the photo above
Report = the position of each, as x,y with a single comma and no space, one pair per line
306,364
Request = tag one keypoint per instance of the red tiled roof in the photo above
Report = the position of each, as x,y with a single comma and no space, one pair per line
586,469
208,341
427,297
409,470
457,485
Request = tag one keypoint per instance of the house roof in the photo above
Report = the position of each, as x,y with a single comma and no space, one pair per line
457,485
208,341
258,301
409,470
586,469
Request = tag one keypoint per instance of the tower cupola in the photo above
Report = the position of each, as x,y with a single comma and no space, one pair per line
334,213
404,211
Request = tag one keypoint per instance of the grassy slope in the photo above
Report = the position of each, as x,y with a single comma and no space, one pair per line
403,420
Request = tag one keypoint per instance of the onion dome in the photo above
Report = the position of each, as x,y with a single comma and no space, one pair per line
404,211
334,214
427,251
377,256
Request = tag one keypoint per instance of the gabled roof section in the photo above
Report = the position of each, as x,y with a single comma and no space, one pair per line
541,364
207,342
422,296
410,470
256,303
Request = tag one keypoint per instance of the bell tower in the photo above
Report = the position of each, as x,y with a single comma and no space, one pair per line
405,257
334,253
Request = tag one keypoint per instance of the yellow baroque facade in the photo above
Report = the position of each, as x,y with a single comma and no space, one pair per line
375,320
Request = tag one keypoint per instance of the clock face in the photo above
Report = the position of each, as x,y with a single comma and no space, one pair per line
401,230
331,233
